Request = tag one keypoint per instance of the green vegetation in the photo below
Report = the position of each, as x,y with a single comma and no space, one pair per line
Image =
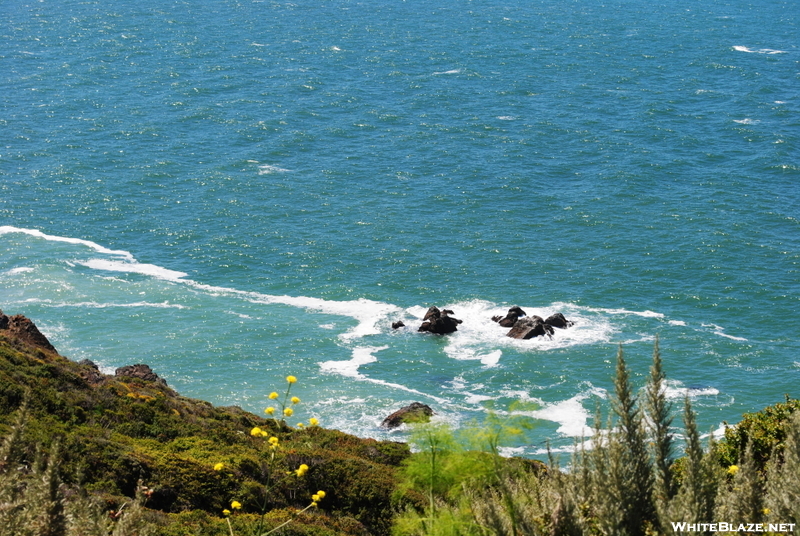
104,435
83,453
625,480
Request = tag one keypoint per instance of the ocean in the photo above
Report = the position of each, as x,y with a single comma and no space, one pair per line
235,191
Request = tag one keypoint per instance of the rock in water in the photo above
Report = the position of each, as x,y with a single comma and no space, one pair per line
415,412
514,314
530,327
557,320
439,322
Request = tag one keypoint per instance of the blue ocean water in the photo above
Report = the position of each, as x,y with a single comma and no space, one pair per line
233,191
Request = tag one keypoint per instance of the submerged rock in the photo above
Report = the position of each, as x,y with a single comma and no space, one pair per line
415,412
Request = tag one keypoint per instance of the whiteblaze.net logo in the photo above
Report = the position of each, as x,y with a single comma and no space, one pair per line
732,527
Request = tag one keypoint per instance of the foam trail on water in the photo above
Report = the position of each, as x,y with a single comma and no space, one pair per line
7,229
368,313
133,267
759,51
361,356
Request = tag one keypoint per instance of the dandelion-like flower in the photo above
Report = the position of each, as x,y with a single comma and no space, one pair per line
288,412
315,498
733,469
303,469
291,379
273,395
301,425
321,494
219,466
236,505
256,432
295,400
273,441
269,411
313,421
226,512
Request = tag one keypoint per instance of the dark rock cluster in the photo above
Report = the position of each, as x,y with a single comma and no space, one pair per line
439,322
527,327
140,371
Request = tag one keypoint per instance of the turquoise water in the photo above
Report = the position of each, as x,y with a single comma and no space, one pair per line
232,192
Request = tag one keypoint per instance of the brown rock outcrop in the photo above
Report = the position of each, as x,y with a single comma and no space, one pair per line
23,329
413,413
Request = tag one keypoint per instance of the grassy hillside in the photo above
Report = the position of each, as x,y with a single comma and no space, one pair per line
88,454
115,431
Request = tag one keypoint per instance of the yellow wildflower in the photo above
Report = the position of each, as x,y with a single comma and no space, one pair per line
302,469
733,469
288,412
315,498
236,505
321,494
295,400
269,411
219,467
273,441
226,512
291,379
255,432
273,395
264,433
766,511
300,425
313,421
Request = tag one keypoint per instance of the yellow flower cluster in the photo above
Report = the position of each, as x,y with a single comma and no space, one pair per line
258,432
303,469
283,409
219,467
318,496
733,469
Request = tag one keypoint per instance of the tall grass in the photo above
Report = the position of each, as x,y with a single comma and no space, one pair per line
624,481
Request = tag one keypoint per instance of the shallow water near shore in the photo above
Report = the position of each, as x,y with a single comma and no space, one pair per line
234,192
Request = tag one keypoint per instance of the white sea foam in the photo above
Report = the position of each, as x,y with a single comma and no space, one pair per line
20,270
369,314
6,229
746,121
719,330
132,266
676,390
677,323
759,51
98,305
266,169
569,414
451,71
349,368
480,338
